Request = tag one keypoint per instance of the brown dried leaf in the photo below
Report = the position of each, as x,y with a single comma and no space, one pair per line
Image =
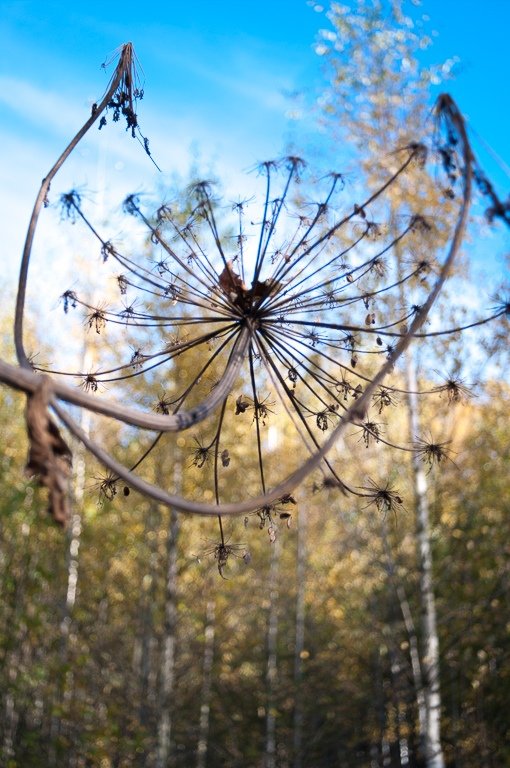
242,405
49,457
230,282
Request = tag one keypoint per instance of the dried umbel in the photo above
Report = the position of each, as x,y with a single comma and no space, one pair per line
283,331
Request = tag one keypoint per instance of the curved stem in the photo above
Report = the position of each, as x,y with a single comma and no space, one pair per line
27,380
123,69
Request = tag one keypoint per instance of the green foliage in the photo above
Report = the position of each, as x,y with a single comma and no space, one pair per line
356,654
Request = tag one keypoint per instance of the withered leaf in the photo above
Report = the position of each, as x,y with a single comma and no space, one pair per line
49,457
233,286
242,404
231,282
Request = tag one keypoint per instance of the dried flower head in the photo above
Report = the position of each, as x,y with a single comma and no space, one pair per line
432,452
201,454
223,551
455,389
385,497
297,297
107,487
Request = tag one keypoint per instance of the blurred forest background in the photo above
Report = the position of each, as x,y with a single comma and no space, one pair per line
121,643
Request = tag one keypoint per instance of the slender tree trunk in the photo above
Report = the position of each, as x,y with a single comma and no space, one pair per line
167,671
11,713
431,738
380,752
205,697
414,652
64,692
146,650
13,662
143,657
395,745
414,655
10,719
300,639
272,657
146,618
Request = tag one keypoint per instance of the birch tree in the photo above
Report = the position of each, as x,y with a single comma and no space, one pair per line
271,673
168,650
382,92
205,692
299,689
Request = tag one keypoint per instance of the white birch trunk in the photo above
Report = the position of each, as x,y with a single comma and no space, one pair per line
11,715
13,662
167,671
205,698
272,658
414,651
414,654
297,736
146,641
431,738
430,734
64,691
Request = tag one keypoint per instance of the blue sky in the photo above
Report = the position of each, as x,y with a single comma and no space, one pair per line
218,77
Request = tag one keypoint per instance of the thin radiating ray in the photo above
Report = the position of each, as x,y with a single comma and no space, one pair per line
302,418
352,271
295,284
169,356
144,274
341,302
280,351
281,275
208,286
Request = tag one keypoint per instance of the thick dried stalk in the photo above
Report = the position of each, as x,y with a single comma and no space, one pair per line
124,70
